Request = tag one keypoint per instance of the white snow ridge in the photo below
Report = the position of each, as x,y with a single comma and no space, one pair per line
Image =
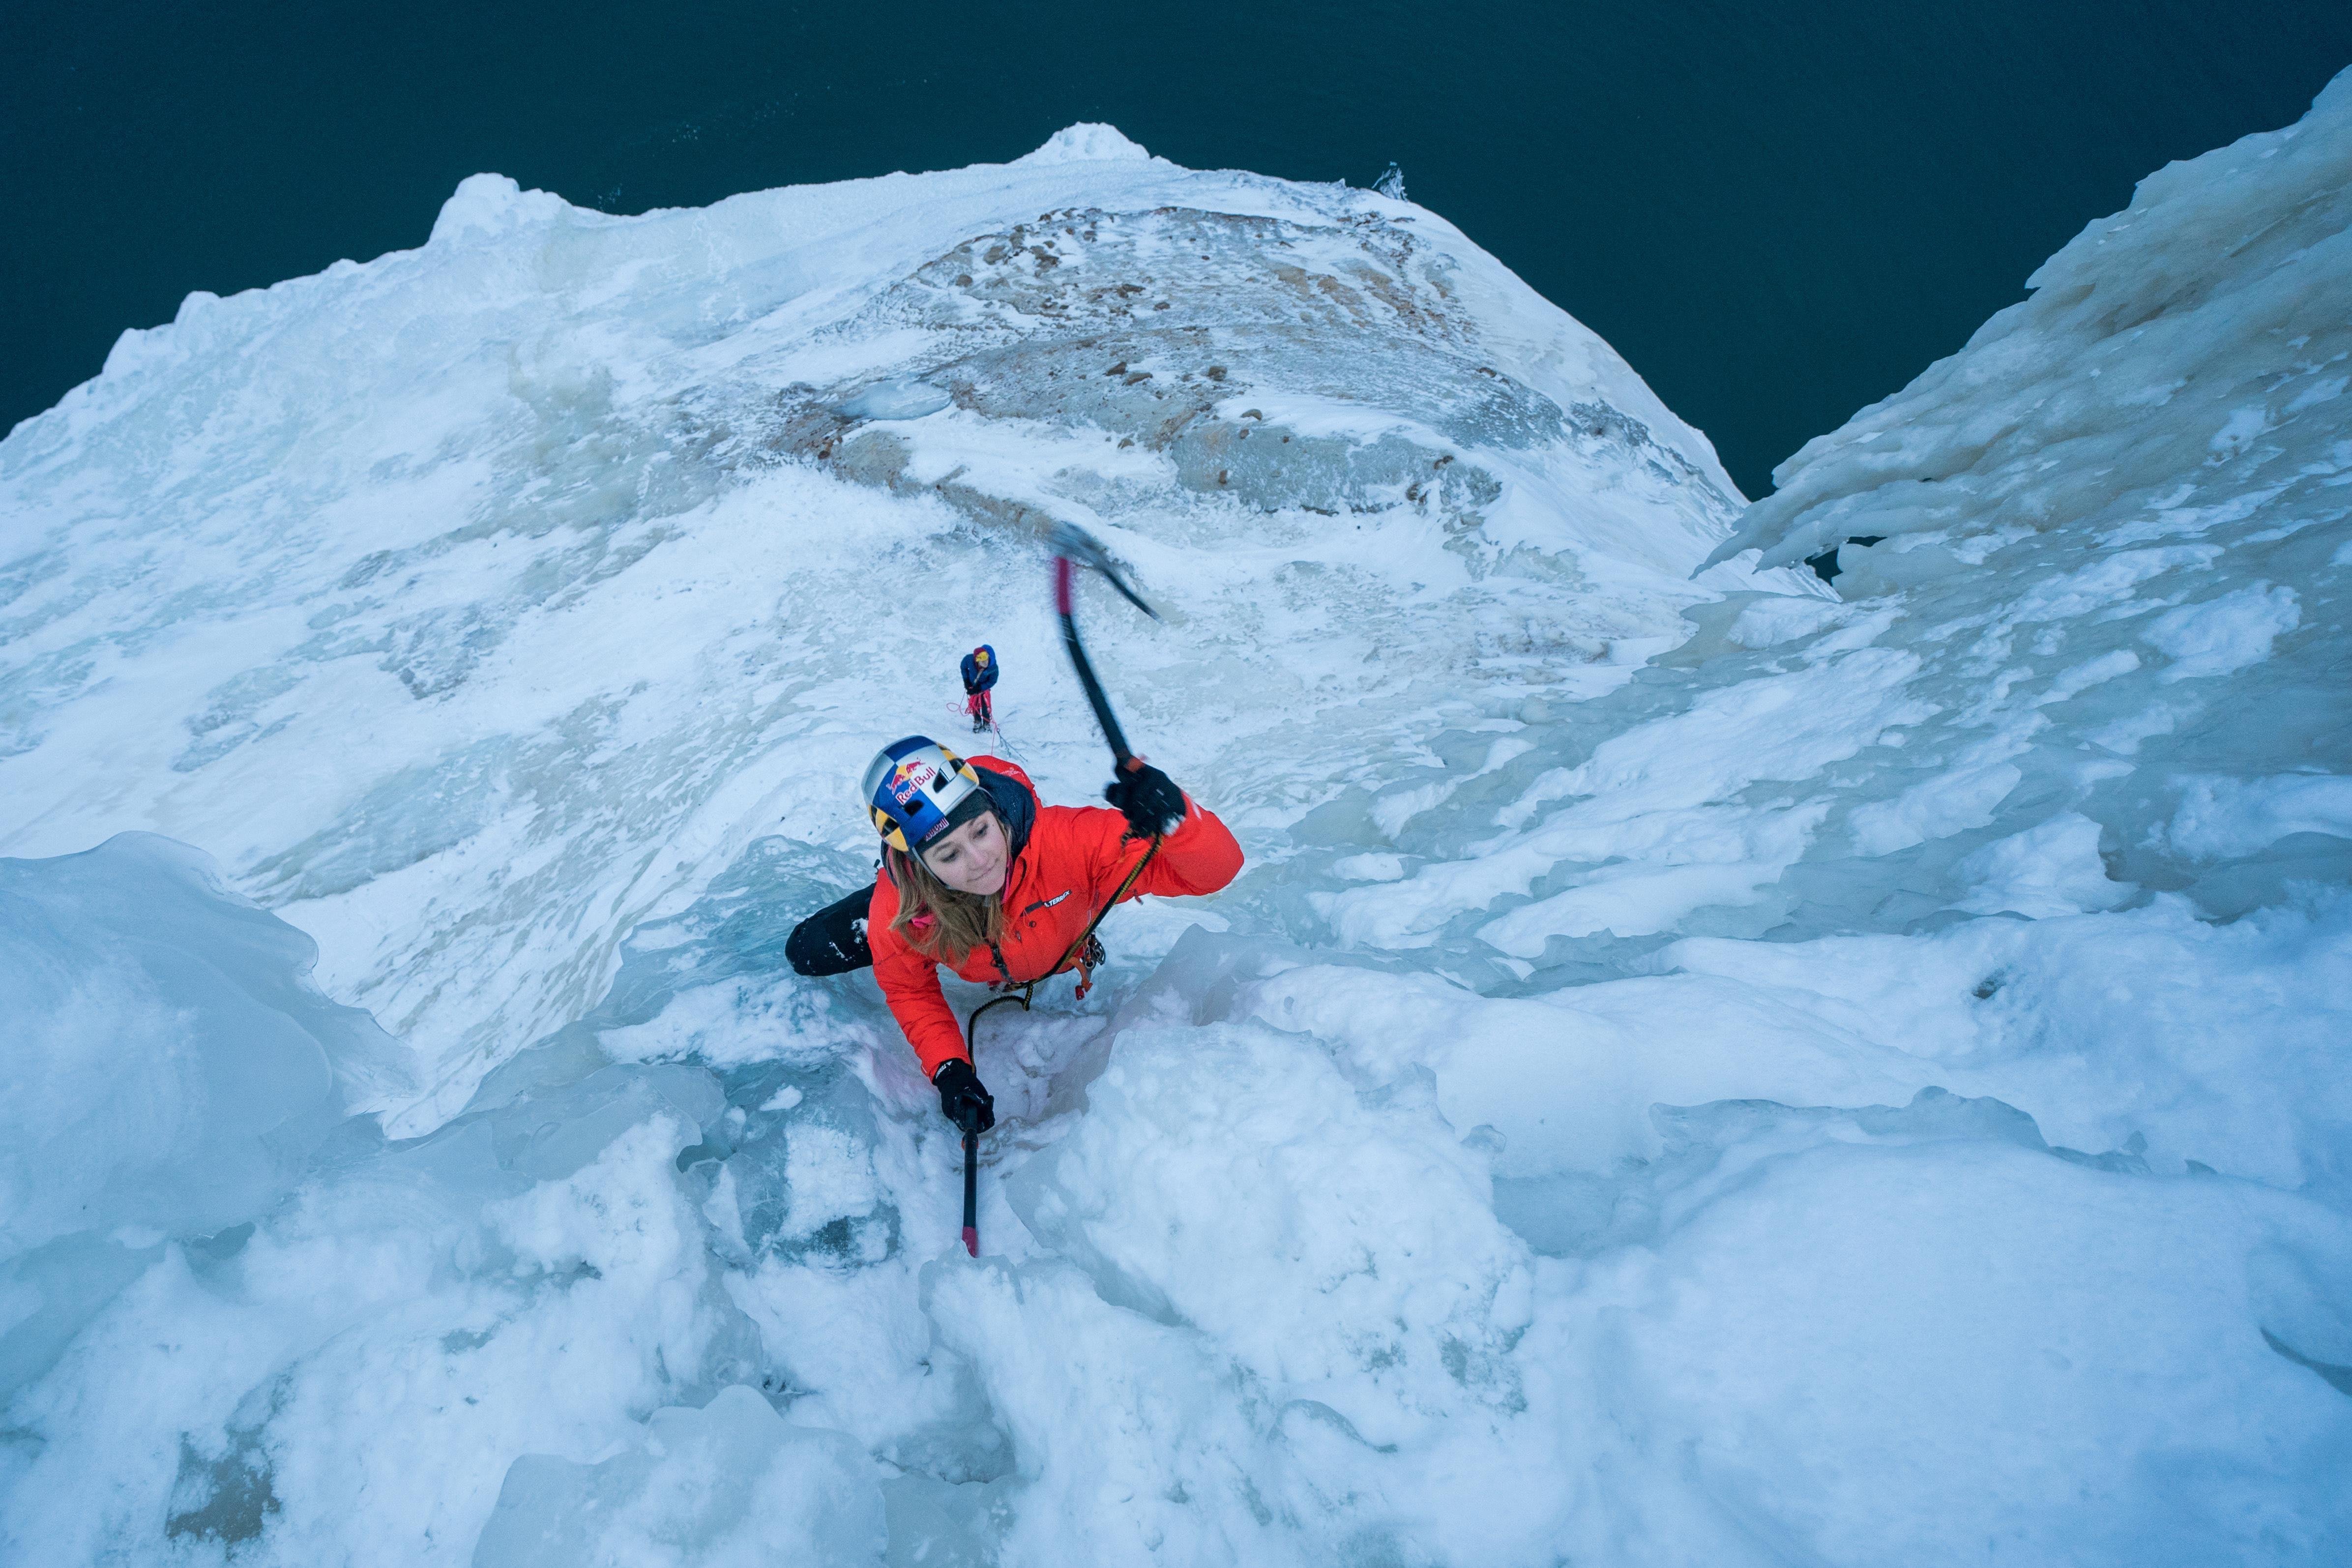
1699,1069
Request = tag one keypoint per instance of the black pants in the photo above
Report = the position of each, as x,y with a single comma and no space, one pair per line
832,940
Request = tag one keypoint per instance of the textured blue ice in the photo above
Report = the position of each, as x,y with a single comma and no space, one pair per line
1702,1066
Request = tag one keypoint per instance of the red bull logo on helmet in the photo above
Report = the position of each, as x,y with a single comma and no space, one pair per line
910,777
912,796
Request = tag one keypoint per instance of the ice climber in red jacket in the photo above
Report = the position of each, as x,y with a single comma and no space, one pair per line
979,874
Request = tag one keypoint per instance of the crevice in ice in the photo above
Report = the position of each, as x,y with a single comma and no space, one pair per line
2338,1378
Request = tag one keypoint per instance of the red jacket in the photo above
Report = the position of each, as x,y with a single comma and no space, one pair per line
1066,860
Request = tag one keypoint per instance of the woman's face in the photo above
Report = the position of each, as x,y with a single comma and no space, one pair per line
973,858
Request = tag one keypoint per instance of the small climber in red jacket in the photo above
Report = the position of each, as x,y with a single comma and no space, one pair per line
979,874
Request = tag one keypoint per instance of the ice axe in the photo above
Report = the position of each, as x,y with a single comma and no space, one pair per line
1074,547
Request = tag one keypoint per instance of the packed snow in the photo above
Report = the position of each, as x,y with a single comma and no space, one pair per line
1703,1065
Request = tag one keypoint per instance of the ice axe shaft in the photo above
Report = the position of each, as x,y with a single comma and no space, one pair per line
971,1194
1073,548
972,1138
1119,750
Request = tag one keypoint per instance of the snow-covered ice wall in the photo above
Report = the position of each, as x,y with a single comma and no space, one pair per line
1701,1067
477,604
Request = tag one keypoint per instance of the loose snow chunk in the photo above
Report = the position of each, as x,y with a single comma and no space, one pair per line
2224,635
1946,804
2052,869
2241,429
1777,620
619,1215
728,1486
2219,817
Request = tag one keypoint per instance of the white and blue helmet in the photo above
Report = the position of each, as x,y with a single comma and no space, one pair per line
916,789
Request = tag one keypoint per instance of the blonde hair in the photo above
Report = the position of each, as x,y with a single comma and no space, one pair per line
958,922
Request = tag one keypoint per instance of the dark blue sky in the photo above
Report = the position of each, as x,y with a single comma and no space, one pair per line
1778,212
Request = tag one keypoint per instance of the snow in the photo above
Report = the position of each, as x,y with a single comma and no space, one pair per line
2052,868
1701,1065
2223,817
731,1485
1090,142
2223,635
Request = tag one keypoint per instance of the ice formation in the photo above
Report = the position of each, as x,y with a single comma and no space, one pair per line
1703,1065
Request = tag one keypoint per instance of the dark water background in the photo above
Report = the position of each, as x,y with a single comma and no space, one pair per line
1778,212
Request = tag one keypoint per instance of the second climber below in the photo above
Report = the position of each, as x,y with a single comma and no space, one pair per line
980,672
979,874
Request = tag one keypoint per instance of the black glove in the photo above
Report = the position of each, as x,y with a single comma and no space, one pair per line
1148,799
962,1100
